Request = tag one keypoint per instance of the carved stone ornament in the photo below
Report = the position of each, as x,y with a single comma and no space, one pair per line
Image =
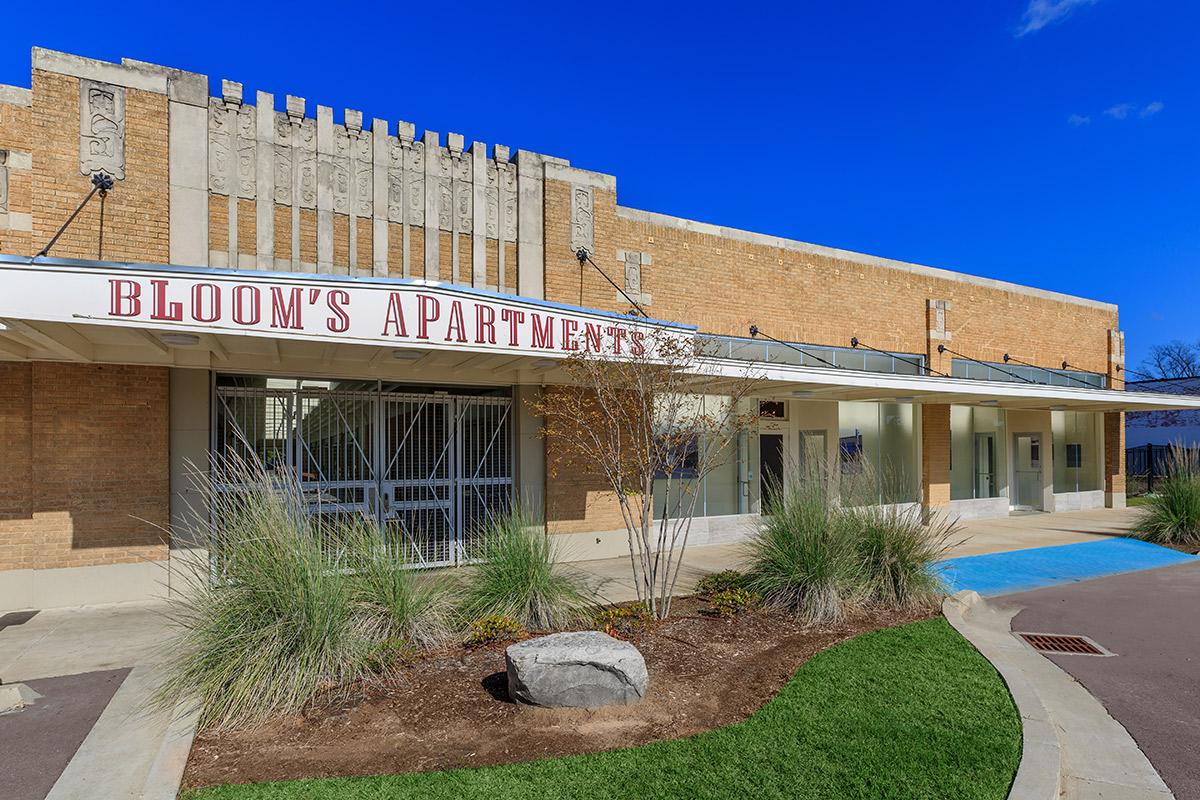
220,147
3,180
582,221
101,128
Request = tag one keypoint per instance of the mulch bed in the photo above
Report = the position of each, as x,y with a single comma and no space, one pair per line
452,709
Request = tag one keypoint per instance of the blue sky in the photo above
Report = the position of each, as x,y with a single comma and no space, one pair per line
1052,142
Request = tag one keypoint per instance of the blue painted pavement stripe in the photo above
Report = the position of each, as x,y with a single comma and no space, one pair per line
1018,570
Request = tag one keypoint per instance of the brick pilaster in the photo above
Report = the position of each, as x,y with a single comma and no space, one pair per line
935,455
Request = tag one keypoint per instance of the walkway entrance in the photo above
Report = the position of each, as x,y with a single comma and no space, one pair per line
432,467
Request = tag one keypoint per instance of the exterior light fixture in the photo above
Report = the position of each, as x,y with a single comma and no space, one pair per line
1058,408
407,355
909,399
803,393
180,339
545,363
989,402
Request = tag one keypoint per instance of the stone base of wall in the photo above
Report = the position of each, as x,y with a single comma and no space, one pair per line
1078,501
615,543
69,587
982,508
1114,500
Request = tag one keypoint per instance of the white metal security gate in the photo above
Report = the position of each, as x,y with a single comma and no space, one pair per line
432,468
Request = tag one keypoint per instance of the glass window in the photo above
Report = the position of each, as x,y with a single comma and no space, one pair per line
877,445
1078,439
978,453
717,493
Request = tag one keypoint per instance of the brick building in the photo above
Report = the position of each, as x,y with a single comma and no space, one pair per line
228,296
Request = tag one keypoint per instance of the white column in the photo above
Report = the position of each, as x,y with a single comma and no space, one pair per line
479,173
324,189
433,203
379,204
264,180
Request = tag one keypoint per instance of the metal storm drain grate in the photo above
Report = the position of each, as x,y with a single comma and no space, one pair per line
1064,643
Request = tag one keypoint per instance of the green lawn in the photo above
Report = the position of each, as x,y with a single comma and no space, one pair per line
908,712
1140,500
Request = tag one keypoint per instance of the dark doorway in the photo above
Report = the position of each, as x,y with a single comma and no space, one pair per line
770,468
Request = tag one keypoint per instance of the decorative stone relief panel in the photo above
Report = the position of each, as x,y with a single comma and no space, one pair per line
442,187
406,175
306,152
3,180
633,261
582,218
501,201
464,192
364,178
246,153
283,159
101,128
341,170
220,146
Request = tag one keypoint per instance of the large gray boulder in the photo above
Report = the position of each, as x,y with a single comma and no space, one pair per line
583,670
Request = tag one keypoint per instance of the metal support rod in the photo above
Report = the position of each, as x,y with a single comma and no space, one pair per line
1008,358
101,183
943,349
583,255
755,332
856,343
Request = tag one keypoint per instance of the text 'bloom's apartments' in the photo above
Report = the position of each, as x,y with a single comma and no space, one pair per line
370,311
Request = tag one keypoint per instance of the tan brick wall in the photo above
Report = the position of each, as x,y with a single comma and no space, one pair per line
84,478
15,131
1114,452
726,285
136,211
935,455
578,499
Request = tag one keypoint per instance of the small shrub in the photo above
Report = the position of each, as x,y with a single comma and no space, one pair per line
1172,514
728,603
622,622
495,628
519,576
898,547
387,655
710,585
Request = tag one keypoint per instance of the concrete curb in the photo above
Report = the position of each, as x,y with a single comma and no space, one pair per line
166,773
1071,746
1039,775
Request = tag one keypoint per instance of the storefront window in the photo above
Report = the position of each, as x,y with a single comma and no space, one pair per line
877,451
716,493
978,453
1078,440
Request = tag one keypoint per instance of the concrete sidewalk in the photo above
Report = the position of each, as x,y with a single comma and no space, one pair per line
613,576
130,751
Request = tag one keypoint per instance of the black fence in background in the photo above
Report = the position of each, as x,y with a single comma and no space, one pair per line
1147,464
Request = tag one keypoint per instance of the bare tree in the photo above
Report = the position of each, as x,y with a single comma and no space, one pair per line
643,419
1175,359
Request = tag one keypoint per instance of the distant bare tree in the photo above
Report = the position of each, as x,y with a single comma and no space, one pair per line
644,418
1175,359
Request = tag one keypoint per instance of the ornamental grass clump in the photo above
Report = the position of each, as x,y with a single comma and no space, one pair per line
1172,514
898,549
274,622
803,558
393,600
519,576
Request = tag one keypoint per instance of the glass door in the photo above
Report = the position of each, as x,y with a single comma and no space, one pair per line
770,469
1028,470
985,465
813,455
